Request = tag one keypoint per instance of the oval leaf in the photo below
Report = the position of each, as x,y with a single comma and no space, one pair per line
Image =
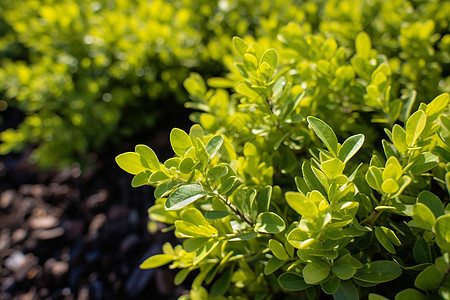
290,281
269,222
156,261
180,141
325,133
184,195
414,127
378,271
315,272
350,147
130,162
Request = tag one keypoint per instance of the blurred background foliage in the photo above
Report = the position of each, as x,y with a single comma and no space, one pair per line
87,73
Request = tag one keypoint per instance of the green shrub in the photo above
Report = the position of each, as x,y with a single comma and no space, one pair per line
89,72
307,174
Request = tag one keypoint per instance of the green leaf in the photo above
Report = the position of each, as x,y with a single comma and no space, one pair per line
433,202
343,271
214,215
158,213
435,107
149,156
195,85
272,265
263,199
423,216
325,133
130,162
424,162
315,272
240,46
181,276
414,127
301,204
220,286
180,141
429,279
407,107
410,294
346,291
184,195
191,245
399,138
378,271
332,168
213,145
389,186
421,251
363,44
311,179
278,249
158,176
217,171
141,179
270,57
442,230
156,261
269,222
350,147
377,297
186,165
384,240
291,281
164,188
374,177
331,285
204,250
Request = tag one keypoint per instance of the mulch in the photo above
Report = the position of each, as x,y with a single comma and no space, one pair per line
75,234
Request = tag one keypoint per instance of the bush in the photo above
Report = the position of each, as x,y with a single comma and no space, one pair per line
89,72
308,174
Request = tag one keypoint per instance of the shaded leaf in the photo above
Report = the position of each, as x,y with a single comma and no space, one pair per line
269,222
184,195
291,281
325,133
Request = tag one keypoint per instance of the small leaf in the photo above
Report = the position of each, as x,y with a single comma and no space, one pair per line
215,215
220,286
301,204
429,279
442,229
384,240
331,285
422,252
346,291
433,202
191,245
186,165
399,138
315,272
414,127
343,271
389,186
181,276
184,195
333,167
240,46
156,261
204,250
217,171
269,222
363,44
272,265
180,141
378,271
150,156
424,162
410,294
374,177
270,57
213,145
164,188
130,162
278,249
373,296
290,281
350,147
141,179
435,107
423,216
325,133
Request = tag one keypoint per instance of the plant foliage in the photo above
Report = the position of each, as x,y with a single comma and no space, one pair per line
306,174
88,72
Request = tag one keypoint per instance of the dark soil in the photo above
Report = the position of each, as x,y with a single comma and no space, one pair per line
76,234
